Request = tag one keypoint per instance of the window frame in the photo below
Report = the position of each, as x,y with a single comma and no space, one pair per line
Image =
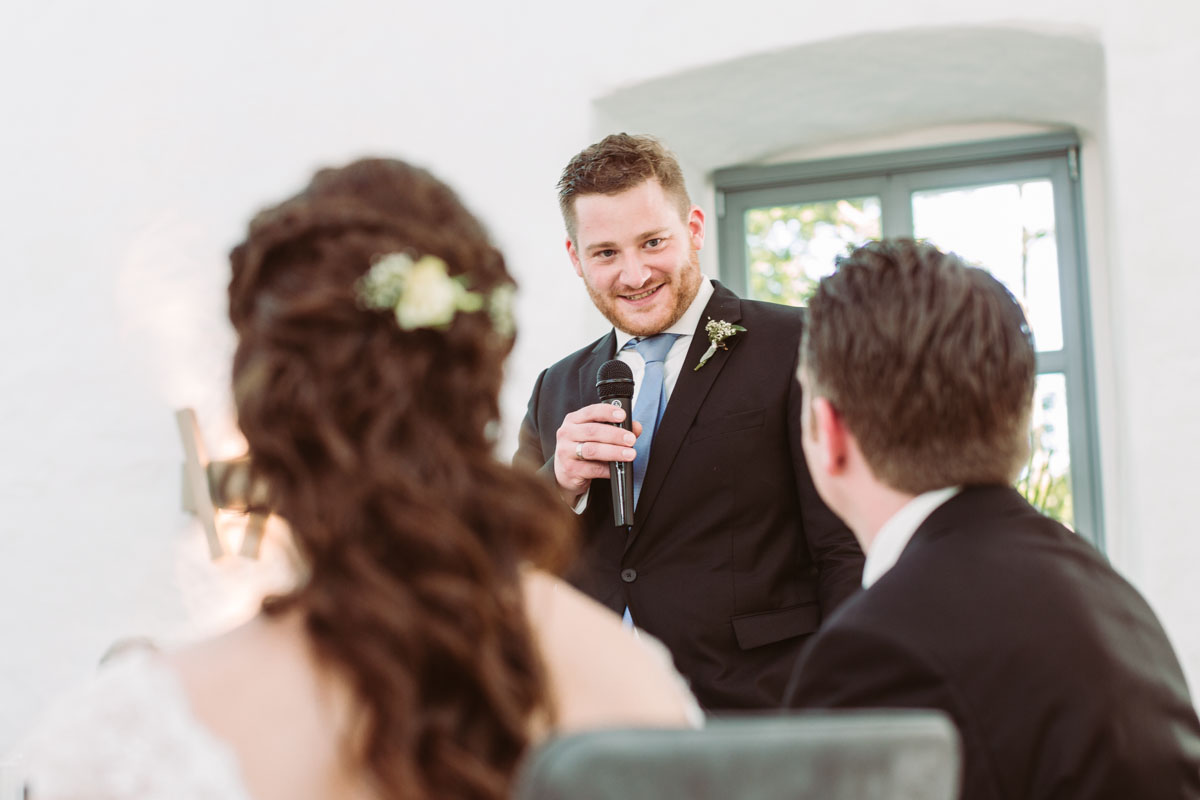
893,177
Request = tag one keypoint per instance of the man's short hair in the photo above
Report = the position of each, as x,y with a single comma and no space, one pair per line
615,164
930,364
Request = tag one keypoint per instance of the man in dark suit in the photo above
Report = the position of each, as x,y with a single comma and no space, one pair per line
918,376
732,560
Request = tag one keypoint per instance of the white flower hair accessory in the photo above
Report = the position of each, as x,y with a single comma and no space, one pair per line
422,294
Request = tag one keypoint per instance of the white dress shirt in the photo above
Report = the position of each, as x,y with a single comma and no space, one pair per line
896,533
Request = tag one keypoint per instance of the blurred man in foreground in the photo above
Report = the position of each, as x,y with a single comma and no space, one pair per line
918,377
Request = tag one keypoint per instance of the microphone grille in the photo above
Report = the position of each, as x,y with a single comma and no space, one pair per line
614,379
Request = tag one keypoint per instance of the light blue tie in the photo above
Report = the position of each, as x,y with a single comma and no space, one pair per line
651,402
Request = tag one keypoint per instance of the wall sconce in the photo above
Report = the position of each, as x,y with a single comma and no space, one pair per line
211,488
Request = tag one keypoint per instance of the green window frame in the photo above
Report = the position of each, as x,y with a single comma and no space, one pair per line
894,178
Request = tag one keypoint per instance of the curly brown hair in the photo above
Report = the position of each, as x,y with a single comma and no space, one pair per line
615,164
375,445
930,362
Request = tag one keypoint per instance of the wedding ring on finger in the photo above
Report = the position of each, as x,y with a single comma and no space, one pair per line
579,450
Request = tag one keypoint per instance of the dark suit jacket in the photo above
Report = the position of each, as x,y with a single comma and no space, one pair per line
1058,674
733,559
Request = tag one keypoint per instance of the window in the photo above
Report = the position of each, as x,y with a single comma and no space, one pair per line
1011,206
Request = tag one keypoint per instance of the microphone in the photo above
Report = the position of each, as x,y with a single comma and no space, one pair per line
614,384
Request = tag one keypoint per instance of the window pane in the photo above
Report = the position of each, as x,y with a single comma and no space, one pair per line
1008,228
1046,480
790,248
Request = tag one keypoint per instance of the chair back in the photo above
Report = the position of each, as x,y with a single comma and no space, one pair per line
842,755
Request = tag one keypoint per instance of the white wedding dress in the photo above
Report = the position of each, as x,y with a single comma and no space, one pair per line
129,734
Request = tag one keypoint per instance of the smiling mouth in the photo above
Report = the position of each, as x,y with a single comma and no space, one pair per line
641,295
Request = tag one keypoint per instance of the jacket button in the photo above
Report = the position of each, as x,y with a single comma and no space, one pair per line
629,575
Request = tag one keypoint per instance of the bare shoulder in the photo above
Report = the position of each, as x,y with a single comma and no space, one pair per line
230,677
259,688
220,661
603,674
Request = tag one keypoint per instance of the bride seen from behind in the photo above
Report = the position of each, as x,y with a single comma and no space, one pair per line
428,646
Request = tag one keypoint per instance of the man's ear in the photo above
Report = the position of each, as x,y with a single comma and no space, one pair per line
832,437
574,257
695,224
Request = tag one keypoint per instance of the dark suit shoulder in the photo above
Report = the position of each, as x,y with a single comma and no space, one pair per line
1014,608
852,663
989,543
775,312
568,366
785,323
987,568
772,334
556,392
991,560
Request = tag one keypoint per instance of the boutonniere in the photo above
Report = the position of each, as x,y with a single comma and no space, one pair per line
718,331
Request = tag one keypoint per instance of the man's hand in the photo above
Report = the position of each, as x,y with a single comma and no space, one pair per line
586,442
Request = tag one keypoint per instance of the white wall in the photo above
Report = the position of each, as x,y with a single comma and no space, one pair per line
138,137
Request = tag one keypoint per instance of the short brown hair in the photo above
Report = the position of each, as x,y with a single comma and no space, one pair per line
929,362
617,163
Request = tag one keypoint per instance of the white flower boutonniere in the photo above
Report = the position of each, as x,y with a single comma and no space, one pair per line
718,331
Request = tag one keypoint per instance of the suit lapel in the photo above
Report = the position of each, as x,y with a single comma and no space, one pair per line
686,398
604,349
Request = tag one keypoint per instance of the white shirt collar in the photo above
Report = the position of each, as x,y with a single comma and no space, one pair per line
896,533
685,325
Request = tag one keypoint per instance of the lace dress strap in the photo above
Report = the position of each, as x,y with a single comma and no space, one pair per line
130,733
